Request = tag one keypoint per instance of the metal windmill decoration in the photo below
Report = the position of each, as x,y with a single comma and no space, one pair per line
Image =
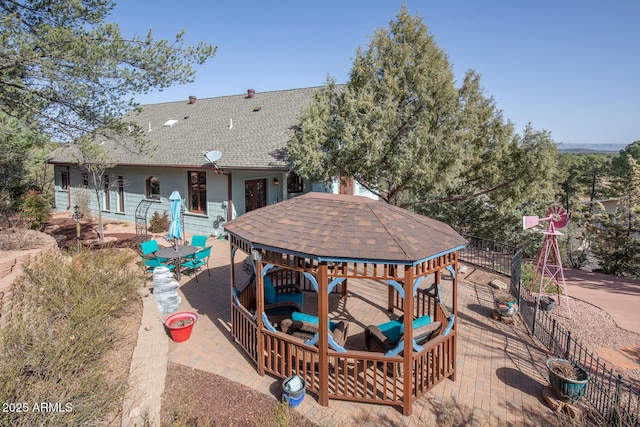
549,270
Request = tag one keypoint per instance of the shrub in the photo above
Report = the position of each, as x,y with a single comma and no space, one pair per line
35,209
526,280
159,223
57,334
83,201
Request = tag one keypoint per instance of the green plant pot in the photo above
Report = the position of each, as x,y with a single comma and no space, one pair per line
505,308
567,389
547,303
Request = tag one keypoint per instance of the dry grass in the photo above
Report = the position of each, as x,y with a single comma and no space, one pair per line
565,369
18,239
58,331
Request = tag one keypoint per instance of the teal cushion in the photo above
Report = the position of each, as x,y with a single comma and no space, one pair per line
269,291
420,321
296,297
304,317
392,330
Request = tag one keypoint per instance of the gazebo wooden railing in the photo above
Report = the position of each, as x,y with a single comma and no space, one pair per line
320,242
356,375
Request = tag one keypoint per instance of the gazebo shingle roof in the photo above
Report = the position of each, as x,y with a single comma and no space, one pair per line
340,227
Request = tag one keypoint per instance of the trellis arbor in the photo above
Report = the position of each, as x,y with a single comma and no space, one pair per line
320,241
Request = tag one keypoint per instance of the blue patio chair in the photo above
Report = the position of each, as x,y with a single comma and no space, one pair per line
151,263
199,241
149,248
199,259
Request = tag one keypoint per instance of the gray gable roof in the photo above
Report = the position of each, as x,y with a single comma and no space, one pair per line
251,133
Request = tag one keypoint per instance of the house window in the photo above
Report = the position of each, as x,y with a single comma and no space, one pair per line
153,187
106,206
64,180
294,183
197,192
120,198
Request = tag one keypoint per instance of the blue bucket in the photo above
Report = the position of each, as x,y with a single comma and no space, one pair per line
293,390
292,401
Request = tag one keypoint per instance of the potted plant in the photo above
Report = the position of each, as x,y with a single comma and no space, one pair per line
567,379
180,325
547,303
505,304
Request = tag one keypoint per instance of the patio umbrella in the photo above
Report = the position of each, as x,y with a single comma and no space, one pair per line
176,209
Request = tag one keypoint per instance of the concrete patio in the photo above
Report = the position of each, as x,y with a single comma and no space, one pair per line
501,372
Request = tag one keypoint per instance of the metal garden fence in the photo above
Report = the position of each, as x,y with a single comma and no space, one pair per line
613,398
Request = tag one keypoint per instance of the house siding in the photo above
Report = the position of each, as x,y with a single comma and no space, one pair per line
171,179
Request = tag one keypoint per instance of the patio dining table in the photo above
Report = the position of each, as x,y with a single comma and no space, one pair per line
176,253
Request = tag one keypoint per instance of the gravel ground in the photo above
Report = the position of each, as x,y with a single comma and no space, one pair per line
597,329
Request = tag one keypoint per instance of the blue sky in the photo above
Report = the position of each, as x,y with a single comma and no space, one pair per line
567,66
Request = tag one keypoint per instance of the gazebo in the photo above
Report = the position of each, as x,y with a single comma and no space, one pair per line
319,242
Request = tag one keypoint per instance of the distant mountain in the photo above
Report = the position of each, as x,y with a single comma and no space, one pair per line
590,148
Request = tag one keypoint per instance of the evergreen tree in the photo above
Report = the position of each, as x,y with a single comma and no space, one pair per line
620,164
615,237
403,130
67,72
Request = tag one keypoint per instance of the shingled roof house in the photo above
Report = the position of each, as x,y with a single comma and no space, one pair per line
248,133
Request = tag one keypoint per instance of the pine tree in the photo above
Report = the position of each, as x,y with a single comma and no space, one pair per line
615,237
403,130
67,71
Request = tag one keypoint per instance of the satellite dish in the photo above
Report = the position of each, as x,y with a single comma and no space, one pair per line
212,156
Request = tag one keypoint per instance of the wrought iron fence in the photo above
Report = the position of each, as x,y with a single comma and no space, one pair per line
614,399
488,254
617,401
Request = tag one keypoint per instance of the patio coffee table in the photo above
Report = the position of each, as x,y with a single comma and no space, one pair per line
176,253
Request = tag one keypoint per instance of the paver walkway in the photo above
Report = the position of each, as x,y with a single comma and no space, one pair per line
501,372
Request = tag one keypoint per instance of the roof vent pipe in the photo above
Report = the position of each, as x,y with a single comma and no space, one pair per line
192,99
251,93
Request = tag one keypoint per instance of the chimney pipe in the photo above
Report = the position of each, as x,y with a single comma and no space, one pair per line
251,93
192,99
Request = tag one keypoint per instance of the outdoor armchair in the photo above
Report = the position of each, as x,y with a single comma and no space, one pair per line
152,262
199,241
199,259
282,293
149,258
306,331
385,338
149,249
279,311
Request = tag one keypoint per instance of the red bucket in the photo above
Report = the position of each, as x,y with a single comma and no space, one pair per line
180,325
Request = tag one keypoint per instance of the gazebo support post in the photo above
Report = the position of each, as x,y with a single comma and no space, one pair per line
323,331
407,394
455,314
232,250
259,309
390,294
437,277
